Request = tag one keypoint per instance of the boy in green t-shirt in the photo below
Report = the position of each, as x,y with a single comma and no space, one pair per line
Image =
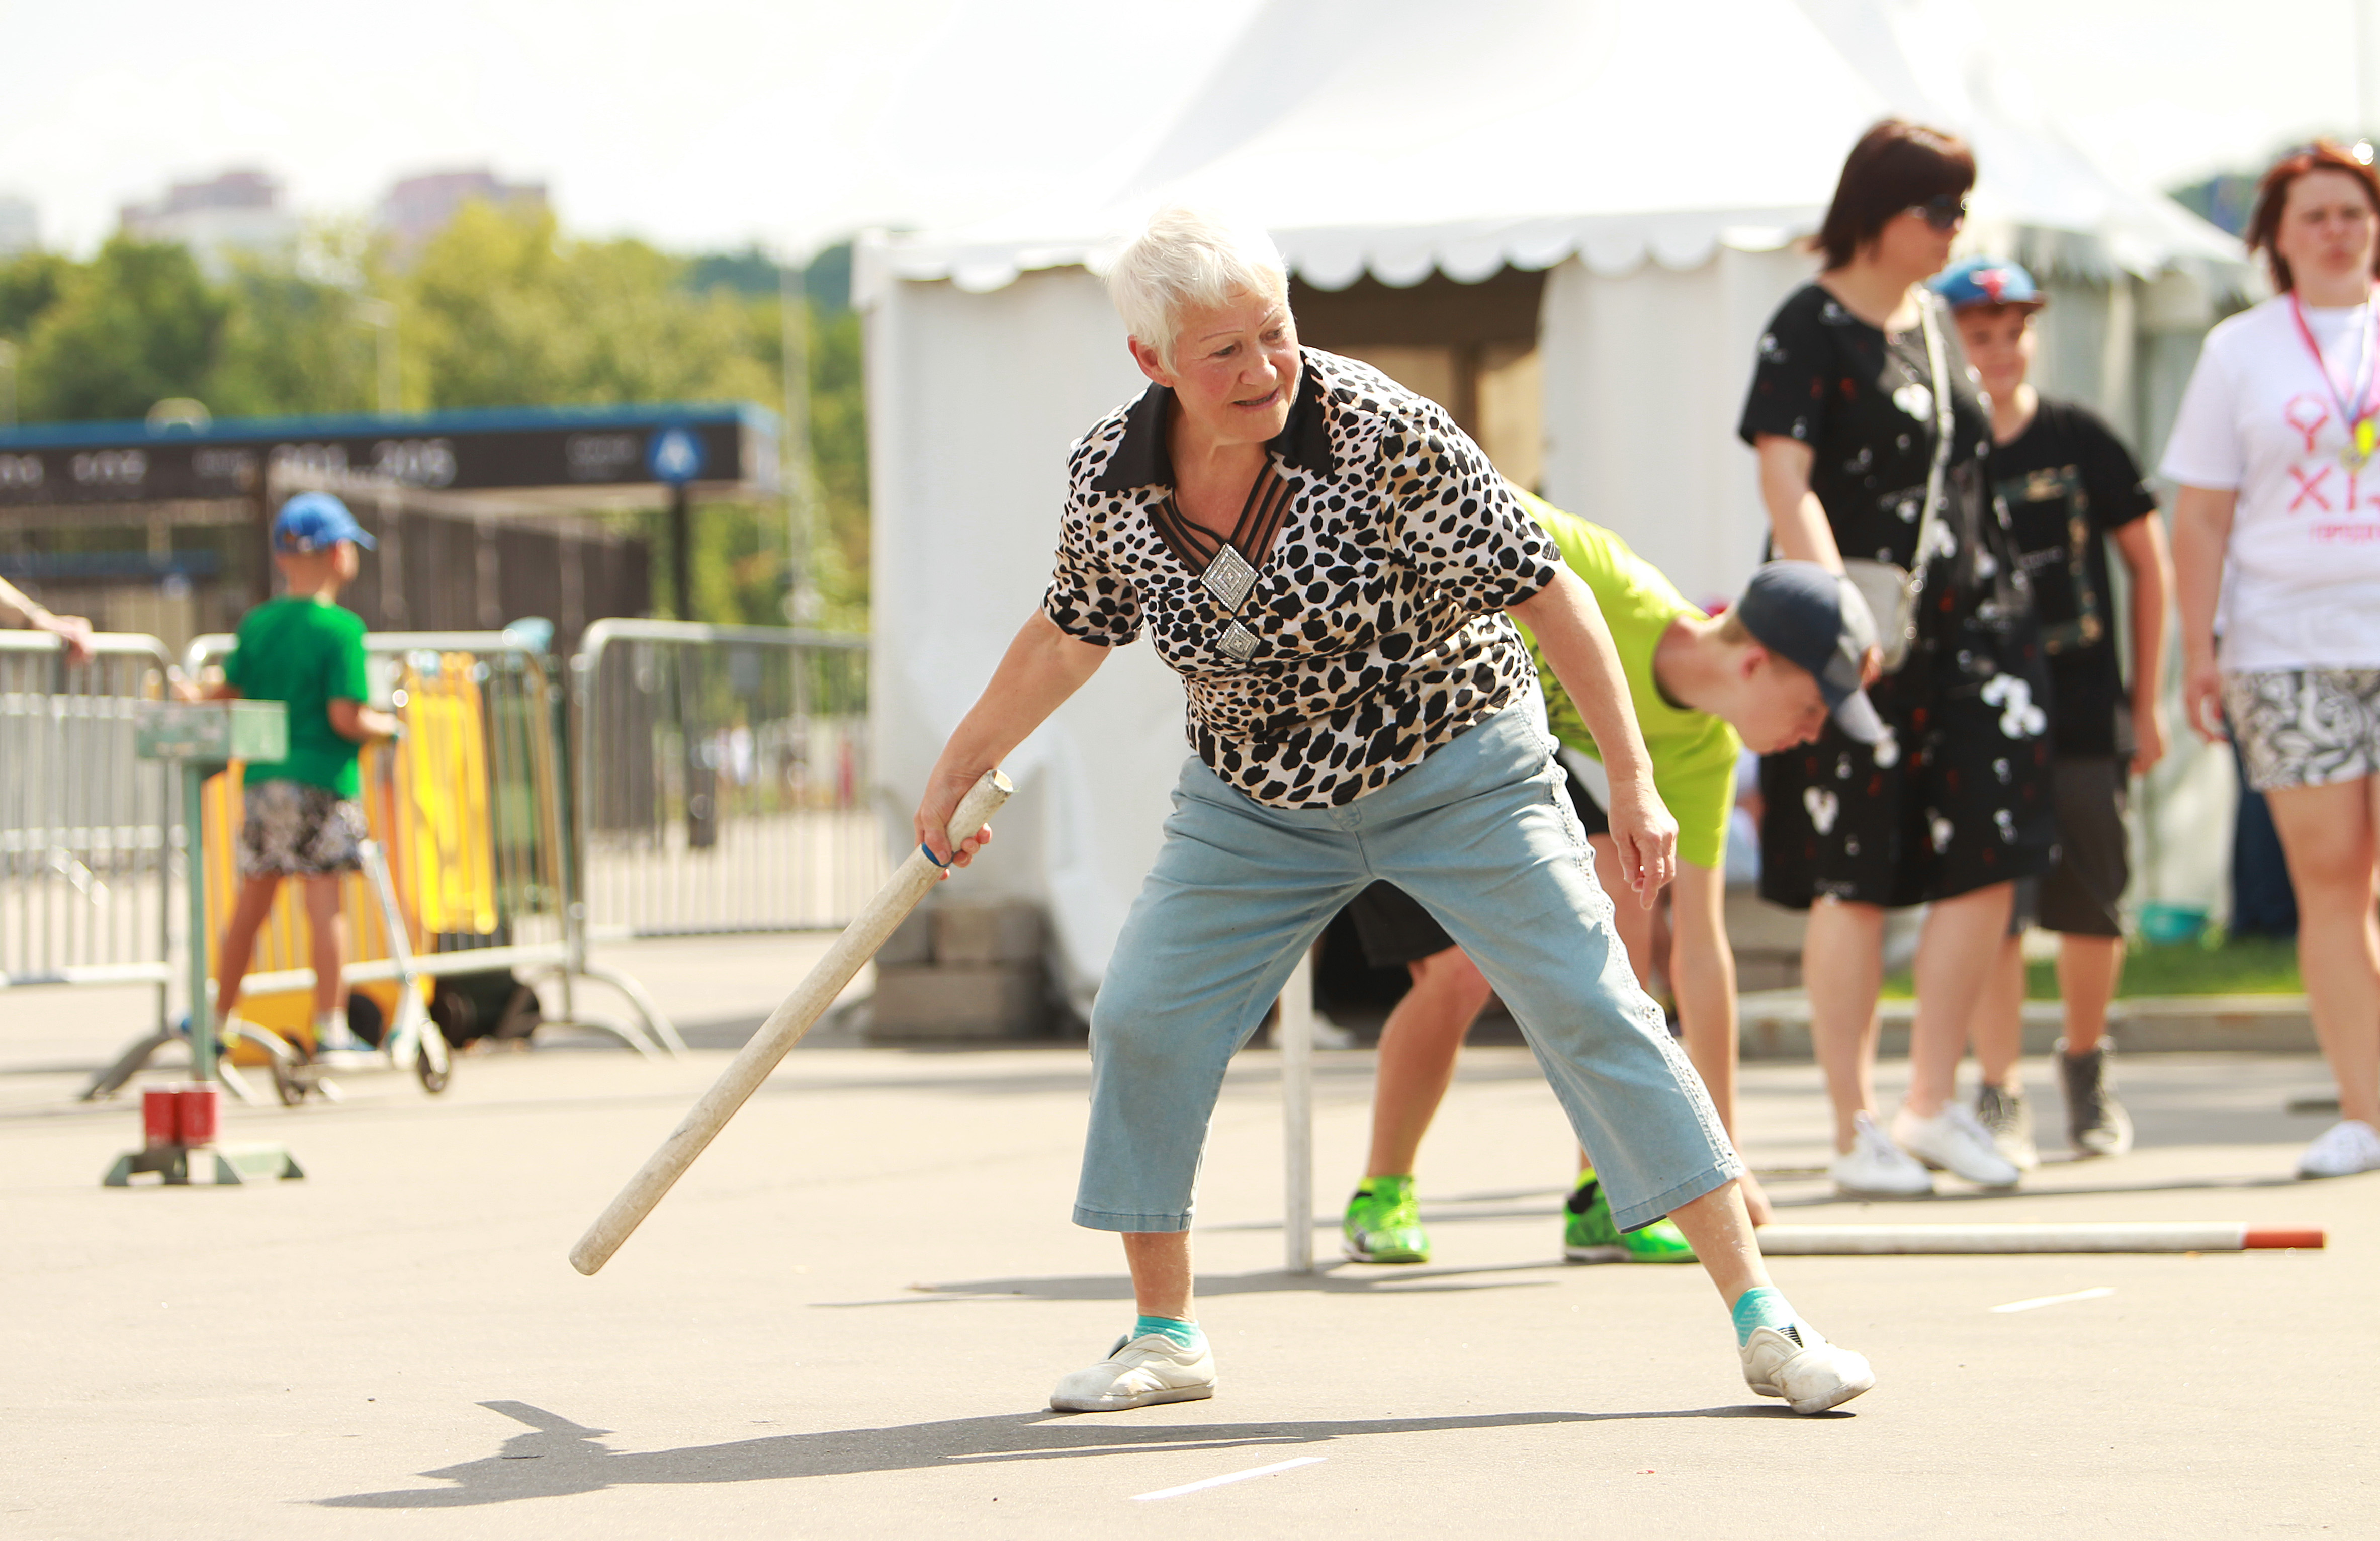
301,817
1767,674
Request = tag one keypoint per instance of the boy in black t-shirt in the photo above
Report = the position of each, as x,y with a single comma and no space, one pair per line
2068,483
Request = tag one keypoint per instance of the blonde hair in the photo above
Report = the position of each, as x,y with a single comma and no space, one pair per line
1184,258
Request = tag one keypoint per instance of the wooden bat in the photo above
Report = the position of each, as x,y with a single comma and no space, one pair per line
910,882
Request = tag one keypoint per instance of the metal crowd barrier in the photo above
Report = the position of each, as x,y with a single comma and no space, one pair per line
86,828
469,807
723,781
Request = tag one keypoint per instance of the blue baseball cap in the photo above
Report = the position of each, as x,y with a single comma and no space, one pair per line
1814,618
1986,281
314,522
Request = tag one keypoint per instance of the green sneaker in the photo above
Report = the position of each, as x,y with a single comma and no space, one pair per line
1383,1222
1589,1234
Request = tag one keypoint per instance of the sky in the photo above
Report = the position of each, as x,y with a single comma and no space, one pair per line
707,124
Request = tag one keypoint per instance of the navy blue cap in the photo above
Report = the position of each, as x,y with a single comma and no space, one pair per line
1986,281
315,522
1814,618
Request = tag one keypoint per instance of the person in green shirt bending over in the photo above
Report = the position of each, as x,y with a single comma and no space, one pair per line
1765,673
301,818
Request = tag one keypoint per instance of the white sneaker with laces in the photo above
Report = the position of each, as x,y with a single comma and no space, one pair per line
1137,1372
1875,1168
1798,1365
1953,1141
2345,1148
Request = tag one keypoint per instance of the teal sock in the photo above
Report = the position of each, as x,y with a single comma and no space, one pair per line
1761,1308
1184,1334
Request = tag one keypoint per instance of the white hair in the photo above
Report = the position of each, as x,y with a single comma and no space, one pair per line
1186,258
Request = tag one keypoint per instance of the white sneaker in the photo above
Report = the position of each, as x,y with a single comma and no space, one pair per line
1953,1141
1137,1372
1875,1168
1798,1365
2345,1148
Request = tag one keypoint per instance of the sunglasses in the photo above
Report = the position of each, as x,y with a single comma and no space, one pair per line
1945,212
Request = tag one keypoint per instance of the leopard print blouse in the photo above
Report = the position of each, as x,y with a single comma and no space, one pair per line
1368,632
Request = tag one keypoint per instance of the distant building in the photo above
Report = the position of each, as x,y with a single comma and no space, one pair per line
416,208
19,230
236,213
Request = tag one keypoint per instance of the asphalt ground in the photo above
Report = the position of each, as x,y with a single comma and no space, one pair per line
847,1319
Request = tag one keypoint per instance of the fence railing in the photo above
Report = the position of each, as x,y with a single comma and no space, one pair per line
87,828
469,807
705,780
723,779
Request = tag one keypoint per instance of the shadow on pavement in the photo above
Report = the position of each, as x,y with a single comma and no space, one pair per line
1117,1286
558,1457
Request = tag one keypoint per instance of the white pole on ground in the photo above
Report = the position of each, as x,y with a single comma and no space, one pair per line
1296,1035
1811,1241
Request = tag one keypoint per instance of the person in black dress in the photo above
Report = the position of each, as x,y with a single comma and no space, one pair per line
1954,804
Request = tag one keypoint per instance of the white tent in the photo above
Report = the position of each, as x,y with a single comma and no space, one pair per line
1656,161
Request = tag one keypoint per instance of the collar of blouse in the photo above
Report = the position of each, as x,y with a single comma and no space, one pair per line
1142,459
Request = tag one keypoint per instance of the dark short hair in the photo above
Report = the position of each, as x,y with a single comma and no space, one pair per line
2272,197
1895,166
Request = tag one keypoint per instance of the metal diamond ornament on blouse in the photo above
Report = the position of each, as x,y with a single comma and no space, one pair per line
1238,641
1229,578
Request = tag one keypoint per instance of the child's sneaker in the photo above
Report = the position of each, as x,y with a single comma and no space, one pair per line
1383,1223
1795,1363
1591,1236
2096,1124
1137,1373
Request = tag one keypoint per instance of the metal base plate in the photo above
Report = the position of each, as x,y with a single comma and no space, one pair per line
229,1165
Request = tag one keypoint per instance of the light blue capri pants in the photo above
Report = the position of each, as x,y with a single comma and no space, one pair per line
1480,834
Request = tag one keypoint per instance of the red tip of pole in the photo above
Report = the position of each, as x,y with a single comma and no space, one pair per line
2257,1241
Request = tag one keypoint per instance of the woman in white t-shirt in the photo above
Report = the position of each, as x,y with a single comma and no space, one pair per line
2278,518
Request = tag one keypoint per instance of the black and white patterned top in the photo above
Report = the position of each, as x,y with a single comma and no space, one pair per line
1367,629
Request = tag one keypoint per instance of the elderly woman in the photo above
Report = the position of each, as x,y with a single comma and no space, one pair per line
2279,517
1328,563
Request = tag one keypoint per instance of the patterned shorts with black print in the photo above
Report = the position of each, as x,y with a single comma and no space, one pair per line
2305,727
294,829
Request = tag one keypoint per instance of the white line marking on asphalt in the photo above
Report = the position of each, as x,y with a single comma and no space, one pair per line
2100,1293
1229,1476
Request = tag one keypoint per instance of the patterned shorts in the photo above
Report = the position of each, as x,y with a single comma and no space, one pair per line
295,829
2305,727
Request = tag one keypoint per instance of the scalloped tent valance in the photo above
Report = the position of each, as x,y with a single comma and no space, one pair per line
1422,135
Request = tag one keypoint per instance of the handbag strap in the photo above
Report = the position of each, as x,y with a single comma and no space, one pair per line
1942,426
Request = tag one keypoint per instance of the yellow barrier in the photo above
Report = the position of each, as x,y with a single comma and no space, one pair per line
425,800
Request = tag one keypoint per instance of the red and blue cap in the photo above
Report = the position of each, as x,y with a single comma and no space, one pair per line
316,522
1986,281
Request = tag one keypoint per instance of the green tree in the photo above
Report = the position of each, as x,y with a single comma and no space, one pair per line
137,324
500,310
30,285
290,344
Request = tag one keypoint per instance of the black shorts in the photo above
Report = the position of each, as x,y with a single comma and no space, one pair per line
1953,801
2082,895
1395,931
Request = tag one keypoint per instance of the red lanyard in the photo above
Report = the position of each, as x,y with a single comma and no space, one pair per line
2357,418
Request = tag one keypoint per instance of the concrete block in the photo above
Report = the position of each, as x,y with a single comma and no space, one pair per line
911,941
1007,931
958,1002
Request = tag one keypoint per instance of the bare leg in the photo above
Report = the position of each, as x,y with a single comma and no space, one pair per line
1955,953
248,917
1418,1048
1843,966
1721,1233
2088,968
2326,832
326,933
1997,1025
1160,1261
